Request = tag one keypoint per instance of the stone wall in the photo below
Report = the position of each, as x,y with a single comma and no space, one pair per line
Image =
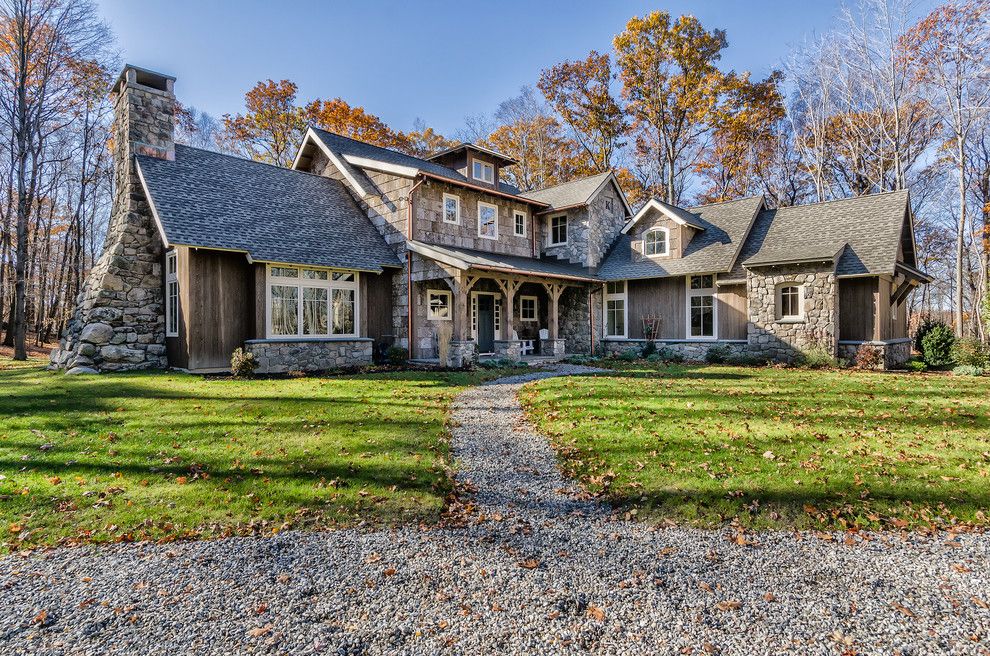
690,351
785,340
575,250
119,319
893,353
283,356
575,326
606,217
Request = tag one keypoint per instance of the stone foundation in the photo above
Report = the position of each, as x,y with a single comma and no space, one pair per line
508,348
552,347
893,353
690,351
463,353
282,356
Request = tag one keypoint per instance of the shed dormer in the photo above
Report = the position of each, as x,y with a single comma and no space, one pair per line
479,165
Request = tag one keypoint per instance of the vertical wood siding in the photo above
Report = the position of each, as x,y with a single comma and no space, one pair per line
732,312
856,311
661,296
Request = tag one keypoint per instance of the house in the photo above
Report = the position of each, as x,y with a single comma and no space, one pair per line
356,248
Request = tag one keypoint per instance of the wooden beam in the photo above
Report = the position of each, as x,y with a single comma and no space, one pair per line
901,292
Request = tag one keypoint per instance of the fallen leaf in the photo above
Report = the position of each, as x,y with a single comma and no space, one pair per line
902,609
260,631
979,602
529,563
704,586
729,605
41,617
389,572
596,613
769,596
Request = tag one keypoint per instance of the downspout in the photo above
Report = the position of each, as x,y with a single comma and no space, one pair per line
409,289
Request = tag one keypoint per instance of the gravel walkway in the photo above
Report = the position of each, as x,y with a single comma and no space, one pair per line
536,572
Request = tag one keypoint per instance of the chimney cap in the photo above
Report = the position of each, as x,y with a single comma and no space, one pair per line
144,77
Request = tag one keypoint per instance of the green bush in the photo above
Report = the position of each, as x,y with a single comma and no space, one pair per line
580,359
746,360
817,358
242,363
968,370
649,349
915,364
397,355
936,346
924,327
629,355
718,354
668,354
971,352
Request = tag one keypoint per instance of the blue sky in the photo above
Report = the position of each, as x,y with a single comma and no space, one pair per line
440,61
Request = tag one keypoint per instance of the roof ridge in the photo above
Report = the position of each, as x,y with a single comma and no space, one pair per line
848,198
391,150
721,202
247,160
561,184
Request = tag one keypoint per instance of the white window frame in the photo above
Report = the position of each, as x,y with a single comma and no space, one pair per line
779,306
487,171
481,204
666,242
431,313
536,308
567,230
302,283
693,293
171,309
515,222
616,296
443,209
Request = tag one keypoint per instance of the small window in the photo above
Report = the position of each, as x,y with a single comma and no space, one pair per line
487,221
439,305
703,282
527,308
655,242
451,208
558,230
314,274
519,223
284,272
789,302
483,171
171,294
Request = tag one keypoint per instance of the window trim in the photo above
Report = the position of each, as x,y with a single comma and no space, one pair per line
302,283
443,209
666,241
172,277
430,315
624,297
481,204
692,293
779,315
515,225
485,166
536,308
567,232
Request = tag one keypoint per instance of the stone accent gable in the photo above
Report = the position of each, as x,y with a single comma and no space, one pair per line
591,229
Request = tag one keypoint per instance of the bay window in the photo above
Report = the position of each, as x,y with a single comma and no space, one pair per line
701,306
311,302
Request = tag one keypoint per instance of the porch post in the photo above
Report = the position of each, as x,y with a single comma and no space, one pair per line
553,345
462,349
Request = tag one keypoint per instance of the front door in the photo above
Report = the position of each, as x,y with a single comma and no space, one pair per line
486,323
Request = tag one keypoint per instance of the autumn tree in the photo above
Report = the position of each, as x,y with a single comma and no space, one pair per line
673,86
579,91
339,117
423,141
271,127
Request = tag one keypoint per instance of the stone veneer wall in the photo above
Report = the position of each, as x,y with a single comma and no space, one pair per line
119,319
893,353
690,351
590,230
282,356
574,327
784,341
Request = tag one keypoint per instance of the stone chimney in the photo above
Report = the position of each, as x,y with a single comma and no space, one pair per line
119,320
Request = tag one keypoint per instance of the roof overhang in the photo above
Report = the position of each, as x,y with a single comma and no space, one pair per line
503,159
654,204
912,273
465,264
341,165
610,178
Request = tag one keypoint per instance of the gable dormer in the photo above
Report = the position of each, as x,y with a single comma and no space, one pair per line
662,231
479,165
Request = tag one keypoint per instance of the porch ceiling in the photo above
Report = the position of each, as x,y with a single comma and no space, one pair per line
467,259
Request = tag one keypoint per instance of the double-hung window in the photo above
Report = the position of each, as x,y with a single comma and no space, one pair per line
519,223
312,302
701,306
615,309
558,230
487,220
451,208
789,302
483,171
171,294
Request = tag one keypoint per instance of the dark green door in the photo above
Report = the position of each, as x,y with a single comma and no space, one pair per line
486,323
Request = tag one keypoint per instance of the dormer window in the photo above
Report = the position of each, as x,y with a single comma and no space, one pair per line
656,242
483,171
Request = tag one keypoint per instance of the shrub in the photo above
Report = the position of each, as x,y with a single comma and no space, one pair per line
915,364
936,346
397,355
868,357
654,358
971,352
717,354
629,355
817,358
242,363
579,359
924,327
968,370
746,360
649,350
668,354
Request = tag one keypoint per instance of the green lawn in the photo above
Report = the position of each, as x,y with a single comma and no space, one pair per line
170,455
775,448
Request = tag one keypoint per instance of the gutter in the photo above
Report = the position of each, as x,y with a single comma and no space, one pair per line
487,190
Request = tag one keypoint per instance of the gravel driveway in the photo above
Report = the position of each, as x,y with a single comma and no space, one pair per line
535,572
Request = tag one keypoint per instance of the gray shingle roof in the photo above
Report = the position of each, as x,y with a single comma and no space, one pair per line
868,226
575,192
210,200
711,250
513,263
